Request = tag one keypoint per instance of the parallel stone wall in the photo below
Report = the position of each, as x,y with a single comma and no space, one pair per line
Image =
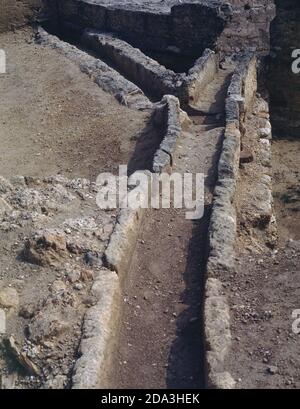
187,28
134,65
223,225
148,73
201,74
101,322
106,77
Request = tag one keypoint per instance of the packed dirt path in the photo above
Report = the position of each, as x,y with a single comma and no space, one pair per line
161,342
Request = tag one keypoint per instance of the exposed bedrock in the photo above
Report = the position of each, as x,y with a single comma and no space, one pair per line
284,84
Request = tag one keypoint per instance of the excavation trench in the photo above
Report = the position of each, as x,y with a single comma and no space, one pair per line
161,342
155,73
161,336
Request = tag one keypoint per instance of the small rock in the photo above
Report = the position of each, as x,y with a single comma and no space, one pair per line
272,370
46,248
59,382
265,133
8,381
4,207
2,322
246,155
58,286
45,326
74,275
9,298
86,275
27,311
5,186
93,259
90,301
18,181
21,357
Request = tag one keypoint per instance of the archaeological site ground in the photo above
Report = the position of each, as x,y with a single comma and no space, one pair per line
144,297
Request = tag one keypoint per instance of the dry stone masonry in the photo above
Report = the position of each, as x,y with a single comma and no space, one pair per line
193,67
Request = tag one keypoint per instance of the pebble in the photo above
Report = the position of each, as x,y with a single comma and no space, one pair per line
272,370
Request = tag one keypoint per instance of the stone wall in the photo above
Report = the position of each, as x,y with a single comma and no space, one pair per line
148,73
223,224
284,85
186,28
14,13
132,63
249,27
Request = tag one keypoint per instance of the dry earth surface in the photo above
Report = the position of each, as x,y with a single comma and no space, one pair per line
49,109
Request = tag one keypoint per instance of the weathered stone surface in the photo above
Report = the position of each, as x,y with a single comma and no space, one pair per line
261,210
217,325
246,155
5,185
45,248
171,121
9,298
4,207
132,63
224,380
265,152
265,132
195,24
2,322
223,224
99,330
46,325
222,232
58,382
199,76
123,239
229,159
